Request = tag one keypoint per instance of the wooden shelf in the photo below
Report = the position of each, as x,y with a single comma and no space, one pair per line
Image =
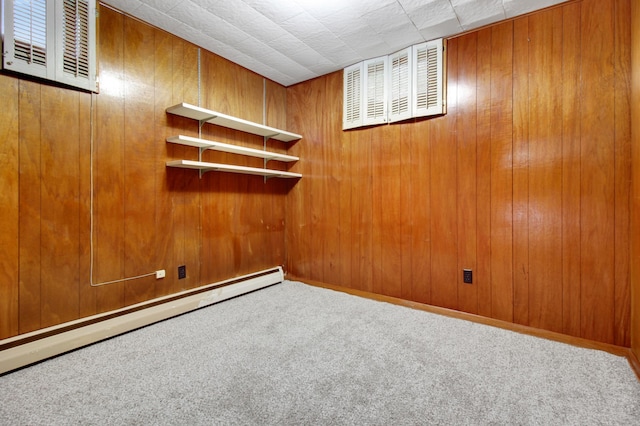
213,117
233,149
209,167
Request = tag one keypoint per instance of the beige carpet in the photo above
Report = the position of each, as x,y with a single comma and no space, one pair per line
295,354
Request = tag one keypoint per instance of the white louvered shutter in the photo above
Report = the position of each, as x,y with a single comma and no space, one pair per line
400,85
75,43
27,45
51,39
375,91
428,79
352,104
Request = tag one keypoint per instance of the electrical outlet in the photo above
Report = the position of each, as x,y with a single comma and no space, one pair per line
467,276
182,272
160,274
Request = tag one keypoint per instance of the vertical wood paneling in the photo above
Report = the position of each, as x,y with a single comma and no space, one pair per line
483,186
378,181
167,243
361,205
276,116
622,117
521,98
185,68
407,162
467,170
298,232
545,171
421,209
444,237
597,178
60,205
501,172
571,249
390,192
108,163
30,207
315,142
635,179
57,143
347,175
500,180
139,162
332,177
525,179
9,213
86,120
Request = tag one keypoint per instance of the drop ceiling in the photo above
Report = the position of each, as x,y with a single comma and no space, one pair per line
289,41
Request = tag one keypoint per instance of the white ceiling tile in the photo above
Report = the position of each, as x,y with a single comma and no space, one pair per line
432,13
321,9
342,55
368,6
303,24
322,42
472,12
127,6
235,12
484,21
290,41
519,7
402,37
159,18
189,13
224,32
277,11
162,5
387,18
443,29
271,57
264,29
362,38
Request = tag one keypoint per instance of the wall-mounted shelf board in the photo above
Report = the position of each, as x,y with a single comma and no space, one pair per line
210,167
213,117
233,149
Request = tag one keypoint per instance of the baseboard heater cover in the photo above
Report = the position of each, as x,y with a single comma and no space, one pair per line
103,326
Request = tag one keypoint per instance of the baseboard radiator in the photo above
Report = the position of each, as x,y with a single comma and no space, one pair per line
29,348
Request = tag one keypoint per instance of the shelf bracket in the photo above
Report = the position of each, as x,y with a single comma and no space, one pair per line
200,124
264,160
200,151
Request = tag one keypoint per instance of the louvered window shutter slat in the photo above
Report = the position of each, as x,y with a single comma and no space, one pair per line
30,37
52,39
400,86
352,110
376,91
76,38
403,85
428,78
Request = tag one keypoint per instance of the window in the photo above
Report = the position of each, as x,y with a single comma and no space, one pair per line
51,39
428,87
400,83
352,107
375,91
406,84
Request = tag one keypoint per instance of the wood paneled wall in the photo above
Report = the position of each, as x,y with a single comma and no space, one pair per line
635,180
145,216
526,180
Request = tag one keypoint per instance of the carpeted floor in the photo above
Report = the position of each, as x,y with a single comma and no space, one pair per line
295,354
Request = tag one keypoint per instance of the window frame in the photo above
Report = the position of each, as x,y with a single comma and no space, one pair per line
53,69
